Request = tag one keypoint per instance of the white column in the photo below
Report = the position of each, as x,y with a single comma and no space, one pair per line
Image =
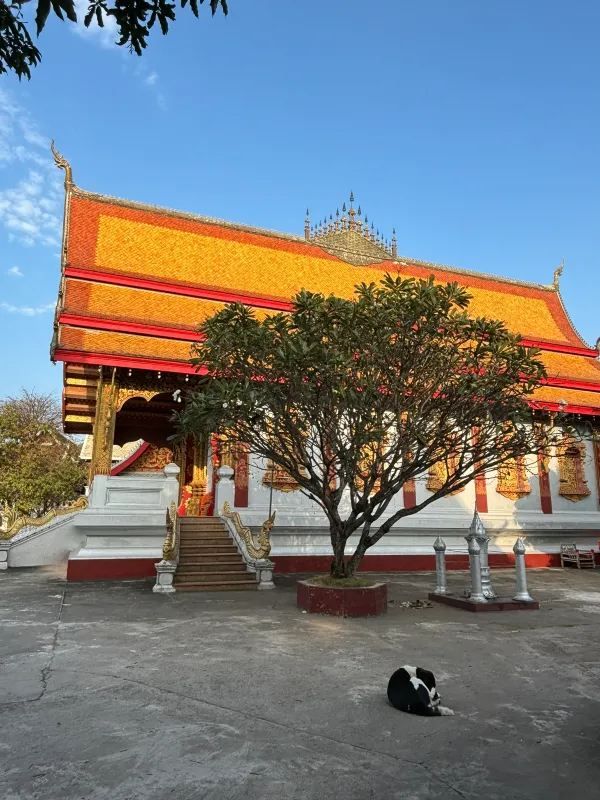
225,490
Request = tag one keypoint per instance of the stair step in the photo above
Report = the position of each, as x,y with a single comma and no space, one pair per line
233,575
217,587
224,562
207,569
226,550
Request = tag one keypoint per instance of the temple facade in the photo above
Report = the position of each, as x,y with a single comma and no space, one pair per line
135,283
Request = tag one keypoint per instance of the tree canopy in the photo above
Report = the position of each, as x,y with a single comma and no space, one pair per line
134,19
356,397
39,465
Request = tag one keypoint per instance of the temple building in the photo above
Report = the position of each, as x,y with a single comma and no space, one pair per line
136,280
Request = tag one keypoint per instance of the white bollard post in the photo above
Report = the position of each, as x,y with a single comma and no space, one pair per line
225,489
475,563
171,473
522,594
440,565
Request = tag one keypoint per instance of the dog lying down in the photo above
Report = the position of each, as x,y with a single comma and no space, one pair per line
413,689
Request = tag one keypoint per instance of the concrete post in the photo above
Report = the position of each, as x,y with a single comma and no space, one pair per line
440,565
264,571
522,594
165,572
171,473
475,564
225,491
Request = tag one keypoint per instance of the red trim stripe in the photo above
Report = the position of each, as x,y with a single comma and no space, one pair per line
131,459
132,362
165,287
558,347
571,383
160,331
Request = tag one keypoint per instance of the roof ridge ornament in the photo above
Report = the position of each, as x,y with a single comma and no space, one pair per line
557,273
337,235
62,163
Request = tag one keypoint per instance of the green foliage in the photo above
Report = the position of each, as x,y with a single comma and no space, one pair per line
39,466
134,20
355,397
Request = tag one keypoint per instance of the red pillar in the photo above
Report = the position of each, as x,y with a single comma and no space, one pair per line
481,502
409,491
544,481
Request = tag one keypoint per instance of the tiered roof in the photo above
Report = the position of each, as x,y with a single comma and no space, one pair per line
137,280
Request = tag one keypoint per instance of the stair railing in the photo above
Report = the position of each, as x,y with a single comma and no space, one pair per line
13,523
165,569
254,552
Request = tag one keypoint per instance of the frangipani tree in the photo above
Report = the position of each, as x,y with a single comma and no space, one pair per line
353,398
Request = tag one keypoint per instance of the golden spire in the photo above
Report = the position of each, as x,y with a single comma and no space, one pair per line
62,163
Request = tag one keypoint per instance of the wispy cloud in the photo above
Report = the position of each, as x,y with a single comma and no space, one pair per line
27,311
15,272
30,209
107,38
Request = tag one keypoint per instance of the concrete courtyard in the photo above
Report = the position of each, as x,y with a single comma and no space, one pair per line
109,691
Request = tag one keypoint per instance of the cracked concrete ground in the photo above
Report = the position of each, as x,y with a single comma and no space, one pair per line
109,691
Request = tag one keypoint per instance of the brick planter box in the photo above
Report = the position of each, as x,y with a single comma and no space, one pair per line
354,601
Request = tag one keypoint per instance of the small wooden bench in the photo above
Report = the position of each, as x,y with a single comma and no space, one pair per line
570,554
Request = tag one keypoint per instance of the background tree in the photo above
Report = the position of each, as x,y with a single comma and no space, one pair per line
39,466
134,19
353,398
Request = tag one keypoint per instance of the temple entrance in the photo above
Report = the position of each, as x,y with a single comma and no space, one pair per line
196,496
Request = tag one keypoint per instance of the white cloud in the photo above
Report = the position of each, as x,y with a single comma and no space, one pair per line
151,79
15,272
27,311
105,37
30,210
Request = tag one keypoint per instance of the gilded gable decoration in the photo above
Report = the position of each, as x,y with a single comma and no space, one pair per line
439,473
127,393
154,459
513,482
369,454
349,236
571,468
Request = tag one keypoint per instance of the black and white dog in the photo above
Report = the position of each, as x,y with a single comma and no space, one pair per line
413,689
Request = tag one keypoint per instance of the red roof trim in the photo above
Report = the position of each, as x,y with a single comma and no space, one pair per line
131,459
132,362
569,408
160,331
571,383
556,347
203,292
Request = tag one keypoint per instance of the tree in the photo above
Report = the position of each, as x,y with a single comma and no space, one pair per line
39,465
353,398
133,19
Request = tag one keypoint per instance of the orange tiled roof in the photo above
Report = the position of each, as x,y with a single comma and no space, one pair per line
128,264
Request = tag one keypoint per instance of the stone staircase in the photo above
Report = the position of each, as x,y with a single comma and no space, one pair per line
209,560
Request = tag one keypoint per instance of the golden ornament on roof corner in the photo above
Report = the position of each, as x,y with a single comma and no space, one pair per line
62,163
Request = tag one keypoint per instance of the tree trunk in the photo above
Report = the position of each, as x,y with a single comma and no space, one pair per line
338,542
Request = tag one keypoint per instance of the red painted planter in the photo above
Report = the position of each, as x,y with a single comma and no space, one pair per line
351,601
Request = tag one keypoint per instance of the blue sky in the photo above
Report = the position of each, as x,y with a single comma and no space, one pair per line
472,127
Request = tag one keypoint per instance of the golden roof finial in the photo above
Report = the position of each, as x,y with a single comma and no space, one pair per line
557,273
62,163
